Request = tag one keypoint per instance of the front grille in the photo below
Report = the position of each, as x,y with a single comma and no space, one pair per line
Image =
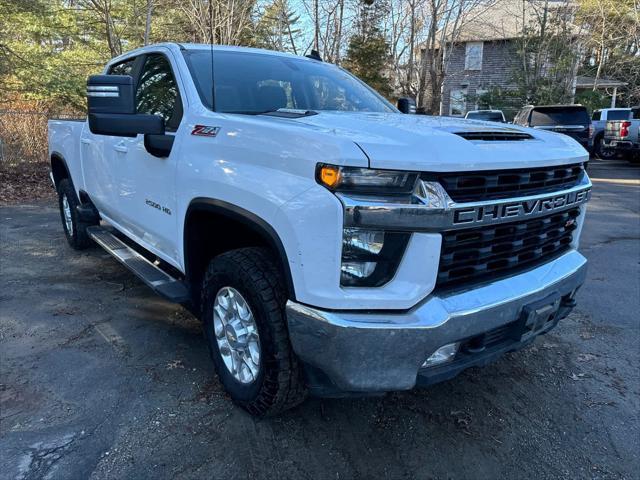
490,252
489,185
496,136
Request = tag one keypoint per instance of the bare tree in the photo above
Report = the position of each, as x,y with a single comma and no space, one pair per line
613,40
446,18
550,48
228,24
104,11
329,18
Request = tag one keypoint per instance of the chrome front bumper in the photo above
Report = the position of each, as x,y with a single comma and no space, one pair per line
370,352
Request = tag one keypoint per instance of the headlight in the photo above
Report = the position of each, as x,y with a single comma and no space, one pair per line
370,258
366,180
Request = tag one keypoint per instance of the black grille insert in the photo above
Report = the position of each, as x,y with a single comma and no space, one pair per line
495,136
488,185
490,252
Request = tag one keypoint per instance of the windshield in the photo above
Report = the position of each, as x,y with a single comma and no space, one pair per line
488,116
248,82
559,116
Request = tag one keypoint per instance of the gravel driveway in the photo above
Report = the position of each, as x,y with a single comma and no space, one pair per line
102,379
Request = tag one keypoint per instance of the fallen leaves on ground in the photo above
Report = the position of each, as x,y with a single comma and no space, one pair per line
25,182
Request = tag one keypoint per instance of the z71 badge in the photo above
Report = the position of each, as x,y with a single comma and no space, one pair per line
205,131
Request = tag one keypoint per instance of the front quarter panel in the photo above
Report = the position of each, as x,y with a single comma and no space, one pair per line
256,164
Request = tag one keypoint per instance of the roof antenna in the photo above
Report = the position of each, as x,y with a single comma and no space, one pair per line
213,88
314,55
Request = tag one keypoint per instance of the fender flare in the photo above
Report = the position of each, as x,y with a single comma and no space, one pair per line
60,157
248,219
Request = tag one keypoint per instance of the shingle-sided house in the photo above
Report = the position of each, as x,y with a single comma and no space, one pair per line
484,54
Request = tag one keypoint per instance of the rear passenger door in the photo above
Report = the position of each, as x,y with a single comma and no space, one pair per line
100,161
147,183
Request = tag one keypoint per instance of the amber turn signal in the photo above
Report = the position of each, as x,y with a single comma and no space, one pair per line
329,176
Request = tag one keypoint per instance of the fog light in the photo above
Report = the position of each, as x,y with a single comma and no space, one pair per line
442,355
357,269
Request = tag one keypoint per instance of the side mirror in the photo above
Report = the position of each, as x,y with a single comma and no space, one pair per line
112,109
407,105
110,94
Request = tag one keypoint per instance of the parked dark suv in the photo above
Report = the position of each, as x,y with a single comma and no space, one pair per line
572,120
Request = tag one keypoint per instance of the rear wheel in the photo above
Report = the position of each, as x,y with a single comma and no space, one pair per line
74,229
243,310
602,151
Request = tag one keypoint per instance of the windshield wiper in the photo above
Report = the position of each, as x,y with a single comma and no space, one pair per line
280,112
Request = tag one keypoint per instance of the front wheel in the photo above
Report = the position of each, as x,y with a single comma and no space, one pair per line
243,310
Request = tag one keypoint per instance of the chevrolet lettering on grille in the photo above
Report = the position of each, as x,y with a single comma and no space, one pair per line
481,214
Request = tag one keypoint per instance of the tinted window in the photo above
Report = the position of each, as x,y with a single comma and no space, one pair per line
544,116
596,115
250,83
521,117
488,116
636,113
157,92
618,114
123,68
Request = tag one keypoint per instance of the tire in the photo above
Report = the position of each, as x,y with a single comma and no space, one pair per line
277,383
602,152
74,229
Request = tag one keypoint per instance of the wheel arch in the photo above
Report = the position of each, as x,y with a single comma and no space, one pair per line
243,228
59,169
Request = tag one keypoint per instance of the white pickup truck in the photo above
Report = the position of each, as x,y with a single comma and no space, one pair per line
330,244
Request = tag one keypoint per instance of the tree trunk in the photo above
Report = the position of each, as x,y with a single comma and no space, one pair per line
316,38
147,26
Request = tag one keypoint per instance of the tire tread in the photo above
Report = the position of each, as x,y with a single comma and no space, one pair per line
283,386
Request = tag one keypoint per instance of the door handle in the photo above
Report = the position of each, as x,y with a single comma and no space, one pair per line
86,141
120,148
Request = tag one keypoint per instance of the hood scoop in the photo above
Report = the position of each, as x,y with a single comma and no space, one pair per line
495,136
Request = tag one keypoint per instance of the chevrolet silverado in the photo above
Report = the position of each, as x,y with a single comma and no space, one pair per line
329,243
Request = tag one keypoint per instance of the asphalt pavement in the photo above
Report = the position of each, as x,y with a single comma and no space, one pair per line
99,378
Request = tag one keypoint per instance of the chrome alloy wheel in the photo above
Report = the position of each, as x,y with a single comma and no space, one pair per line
237,335
66,210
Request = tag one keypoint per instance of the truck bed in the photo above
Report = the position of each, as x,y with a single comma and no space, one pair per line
65,143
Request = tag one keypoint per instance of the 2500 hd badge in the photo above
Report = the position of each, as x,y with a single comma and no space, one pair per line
157,206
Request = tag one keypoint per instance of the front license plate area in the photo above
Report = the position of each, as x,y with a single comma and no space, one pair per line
539,317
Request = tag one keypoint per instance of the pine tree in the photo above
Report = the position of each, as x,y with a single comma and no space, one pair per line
276,28
368,50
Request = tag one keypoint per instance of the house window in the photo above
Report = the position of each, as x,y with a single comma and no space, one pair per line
473,56
457,103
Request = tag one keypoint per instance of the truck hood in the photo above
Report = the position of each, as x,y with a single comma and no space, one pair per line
425,143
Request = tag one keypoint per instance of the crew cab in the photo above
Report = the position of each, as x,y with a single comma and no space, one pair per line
623,136
329,243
